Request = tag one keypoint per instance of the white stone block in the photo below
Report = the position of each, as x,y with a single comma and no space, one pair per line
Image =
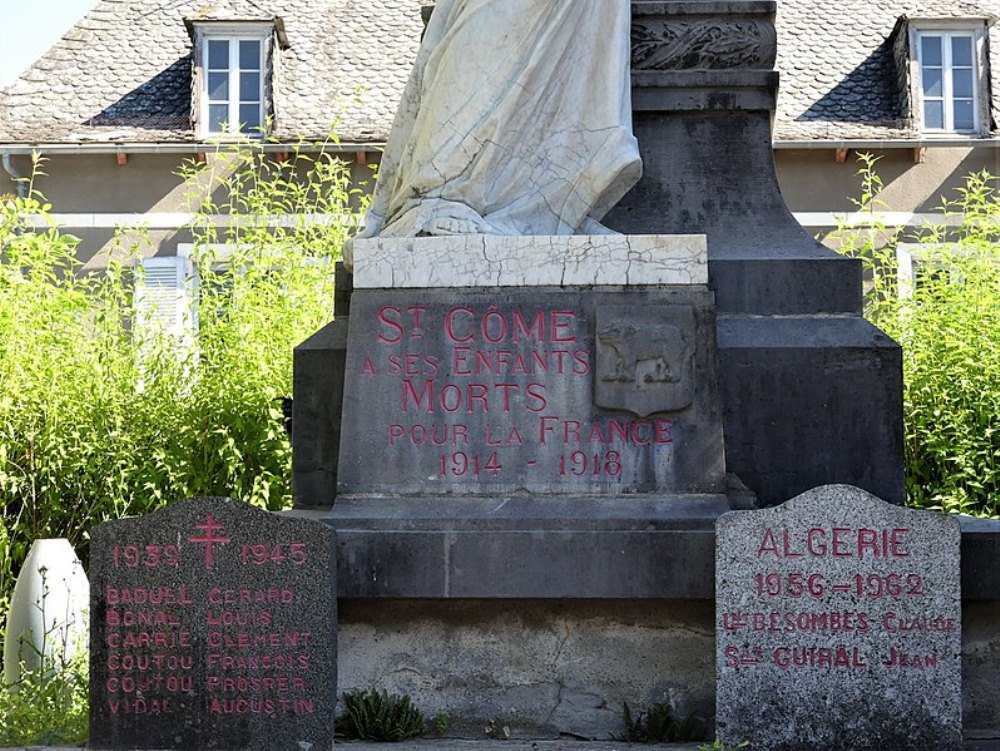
529,261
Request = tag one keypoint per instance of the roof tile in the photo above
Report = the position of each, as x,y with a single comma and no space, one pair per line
124,72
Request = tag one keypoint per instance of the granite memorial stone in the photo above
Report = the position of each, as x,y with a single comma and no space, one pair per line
838,625
213,626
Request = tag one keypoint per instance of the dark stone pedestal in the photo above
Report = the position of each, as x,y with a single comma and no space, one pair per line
810,399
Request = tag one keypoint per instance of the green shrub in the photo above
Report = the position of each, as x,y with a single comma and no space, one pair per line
657,725
101,418
718,745
47,706
948,324
379,716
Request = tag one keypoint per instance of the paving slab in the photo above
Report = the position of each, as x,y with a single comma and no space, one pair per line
443,744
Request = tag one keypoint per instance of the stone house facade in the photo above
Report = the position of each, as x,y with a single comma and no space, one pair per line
131,91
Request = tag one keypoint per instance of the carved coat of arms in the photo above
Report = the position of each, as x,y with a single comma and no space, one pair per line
645,358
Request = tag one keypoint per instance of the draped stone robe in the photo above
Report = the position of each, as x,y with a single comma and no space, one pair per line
516,120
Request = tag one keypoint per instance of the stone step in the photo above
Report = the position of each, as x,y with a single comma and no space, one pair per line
445,744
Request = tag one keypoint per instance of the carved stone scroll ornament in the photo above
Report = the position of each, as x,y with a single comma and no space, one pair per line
693,45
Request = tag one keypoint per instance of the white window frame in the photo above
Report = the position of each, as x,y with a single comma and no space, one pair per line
165,301
233,34
974,29
910,257
166,295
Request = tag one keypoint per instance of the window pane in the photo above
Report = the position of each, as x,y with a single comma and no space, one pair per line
217,115
961,51
934,114
961,81
249,87
218,86
249,118
218,54
249,54
964,115
933,81
930,50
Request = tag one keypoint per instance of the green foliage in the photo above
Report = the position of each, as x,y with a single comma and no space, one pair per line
948,324
379,716
46,710
657,725
48,705
442,721
101,417
718,745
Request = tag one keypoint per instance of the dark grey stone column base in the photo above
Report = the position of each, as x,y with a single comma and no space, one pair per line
614,548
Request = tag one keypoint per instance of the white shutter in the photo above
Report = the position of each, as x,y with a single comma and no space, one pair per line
166,296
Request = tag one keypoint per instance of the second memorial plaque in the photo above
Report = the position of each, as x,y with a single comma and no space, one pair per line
213,626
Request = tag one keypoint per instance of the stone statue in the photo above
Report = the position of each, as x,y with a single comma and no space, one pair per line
516,120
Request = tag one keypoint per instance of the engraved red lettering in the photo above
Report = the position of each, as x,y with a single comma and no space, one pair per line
617,430
451,398
571,428
494,327
424,401
449,325
896,543
815,547
386,315
415,311
535,331
868,540
460,361
535,393
562,325
637,437
840,546
477,393
768,544
786,540
545,427
663,432
505,389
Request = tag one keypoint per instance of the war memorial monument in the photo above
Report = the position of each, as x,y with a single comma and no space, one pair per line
583,357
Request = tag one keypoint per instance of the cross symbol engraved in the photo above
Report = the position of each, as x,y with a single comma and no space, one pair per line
209,527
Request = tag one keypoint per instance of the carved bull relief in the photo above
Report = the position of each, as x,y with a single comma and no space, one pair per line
662,348
645,358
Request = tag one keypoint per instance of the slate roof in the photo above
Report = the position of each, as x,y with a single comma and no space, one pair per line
838,74
123,73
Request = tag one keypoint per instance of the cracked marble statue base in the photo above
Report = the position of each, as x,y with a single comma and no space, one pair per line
529,261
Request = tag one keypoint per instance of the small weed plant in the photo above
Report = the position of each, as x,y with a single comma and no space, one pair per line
718,745
380,716
657,725
46,707
48,704
946,316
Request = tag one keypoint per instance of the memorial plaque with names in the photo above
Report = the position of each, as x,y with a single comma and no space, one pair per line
544,391
838,625
213,626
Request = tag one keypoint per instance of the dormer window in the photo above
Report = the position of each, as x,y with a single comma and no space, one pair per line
234,85
948,80
232,77
948,76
